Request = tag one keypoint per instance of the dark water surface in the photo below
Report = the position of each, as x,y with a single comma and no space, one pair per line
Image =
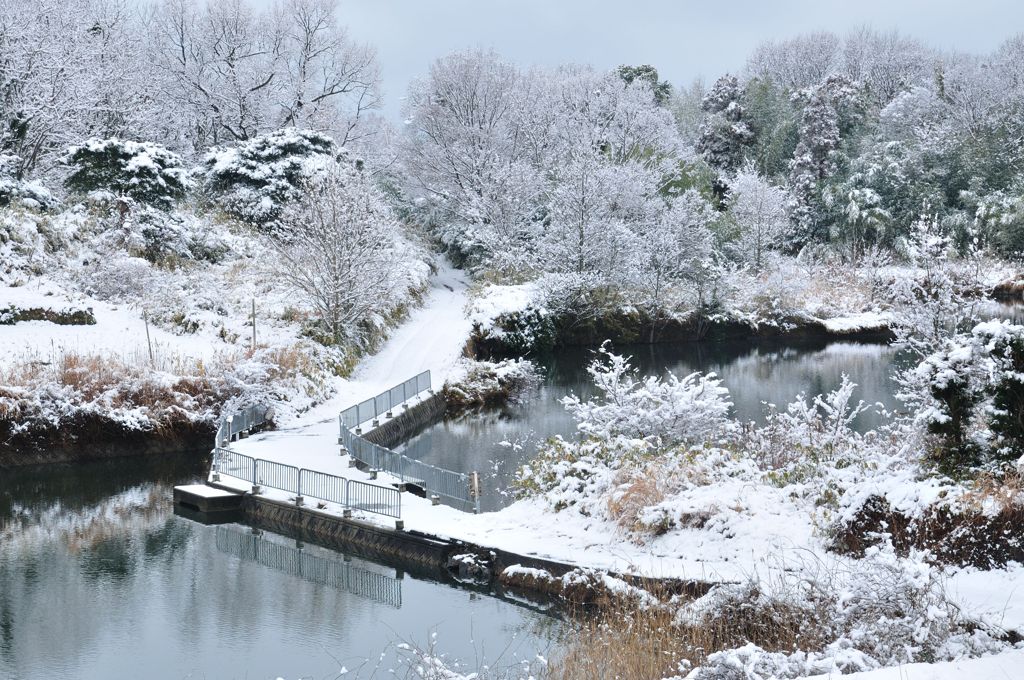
100,580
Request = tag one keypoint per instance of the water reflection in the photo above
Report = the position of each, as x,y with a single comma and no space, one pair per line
496,442
99,579
324,569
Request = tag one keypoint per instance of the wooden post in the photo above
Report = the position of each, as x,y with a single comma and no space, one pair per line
145,320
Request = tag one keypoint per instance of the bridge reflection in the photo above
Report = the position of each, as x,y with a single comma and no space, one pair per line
333,573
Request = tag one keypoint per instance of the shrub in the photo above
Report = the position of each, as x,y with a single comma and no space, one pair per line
976,381
142,171
661,411
255,180
13,189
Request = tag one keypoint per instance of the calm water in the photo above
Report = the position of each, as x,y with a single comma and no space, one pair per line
98,579
754,374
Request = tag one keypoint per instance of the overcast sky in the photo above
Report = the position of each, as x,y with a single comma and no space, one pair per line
684,39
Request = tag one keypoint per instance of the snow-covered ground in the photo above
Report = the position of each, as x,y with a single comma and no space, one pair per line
1005,666
432,338
120,330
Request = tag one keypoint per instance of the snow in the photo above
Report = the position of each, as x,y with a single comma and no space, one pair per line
1002,666
496,300
995,596
119,329
204,491
858,322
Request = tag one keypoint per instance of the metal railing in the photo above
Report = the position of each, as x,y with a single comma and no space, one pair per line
313,484
234,424
385,402
340,575
453,486
432,479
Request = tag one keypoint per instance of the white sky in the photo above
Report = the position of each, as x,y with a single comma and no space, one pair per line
684,39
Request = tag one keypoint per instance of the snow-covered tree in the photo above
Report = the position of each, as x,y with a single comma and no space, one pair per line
341,248
234,73
463,152
939,299
886,62
670,257
143,171
826,111
758,212
544,171
999,217
70,70
724,134
255,180
971,397
798,63
661,89
813,162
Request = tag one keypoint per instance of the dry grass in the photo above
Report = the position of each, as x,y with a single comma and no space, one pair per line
617,643
37,393
635,493
996,493
623,641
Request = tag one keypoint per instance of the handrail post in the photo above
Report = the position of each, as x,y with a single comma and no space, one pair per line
474,491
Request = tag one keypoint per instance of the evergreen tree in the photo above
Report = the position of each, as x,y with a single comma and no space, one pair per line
661,89
724,134
255,180
145,172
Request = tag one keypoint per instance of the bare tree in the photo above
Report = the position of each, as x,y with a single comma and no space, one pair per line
238,73
342,249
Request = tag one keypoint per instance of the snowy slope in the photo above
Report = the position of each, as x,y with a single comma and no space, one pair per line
119,330
432,338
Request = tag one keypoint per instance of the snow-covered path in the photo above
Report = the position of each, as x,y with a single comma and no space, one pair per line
432,338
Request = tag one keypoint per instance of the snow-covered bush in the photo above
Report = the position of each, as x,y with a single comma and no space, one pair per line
163,237
661,411
971,394
632,420
119,277
575,474
143,171
257,179
885,610
14,190
809,432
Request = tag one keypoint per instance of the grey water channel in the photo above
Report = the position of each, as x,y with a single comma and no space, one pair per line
99,579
